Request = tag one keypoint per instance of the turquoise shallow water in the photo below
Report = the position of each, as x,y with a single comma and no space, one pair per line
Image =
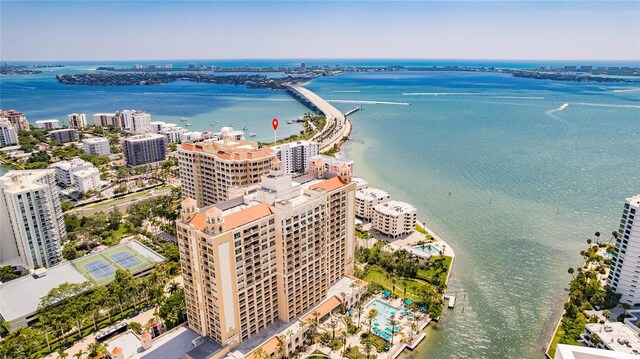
529,183
530,179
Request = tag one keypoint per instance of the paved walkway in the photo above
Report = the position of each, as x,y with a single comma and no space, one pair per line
83,344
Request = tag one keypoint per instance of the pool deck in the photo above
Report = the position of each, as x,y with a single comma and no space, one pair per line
410,241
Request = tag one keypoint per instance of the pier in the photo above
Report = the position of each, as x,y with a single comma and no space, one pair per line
337,125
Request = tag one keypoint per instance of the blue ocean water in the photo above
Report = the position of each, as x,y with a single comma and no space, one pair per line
534,167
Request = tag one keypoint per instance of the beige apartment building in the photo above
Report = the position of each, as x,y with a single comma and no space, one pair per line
210,169
268,257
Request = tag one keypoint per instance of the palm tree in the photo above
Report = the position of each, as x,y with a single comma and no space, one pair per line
367,348
589,241
393,324
173,287
280,348
79,354
333,325
614,234
260,354
360,309
61,353
597,234
571,271
371,316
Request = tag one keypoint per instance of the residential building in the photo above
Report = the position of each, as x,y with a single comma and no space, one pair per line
8,133
624,276
331,164
48,124
31,219
87,179
65,170
111,120
78,120
21,296
191,137
394,218
564,351
98,146
173,134
367,199
156,126
295,155
17,119
266,259
209,169
144,149
303,67
63,135
135,121
360,183
614,336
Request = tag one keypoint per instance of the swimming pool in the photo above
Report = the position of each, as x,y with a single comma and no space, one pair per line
427,248
384,313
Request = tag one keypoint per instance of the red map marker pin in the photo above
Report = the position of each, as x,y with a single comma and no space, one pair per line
274,124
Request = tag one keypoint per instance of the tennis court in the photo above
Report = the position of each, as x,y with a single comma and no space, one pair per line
99,269
125,259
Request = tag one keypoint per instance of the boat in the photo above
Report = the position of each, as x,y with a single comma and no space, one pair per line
252,134
188,124
245,128
231,125
217,121
290,122
183,119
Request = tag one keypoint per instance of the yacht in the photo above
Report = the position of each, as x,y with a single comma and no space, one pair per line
183,119
252,134
245,128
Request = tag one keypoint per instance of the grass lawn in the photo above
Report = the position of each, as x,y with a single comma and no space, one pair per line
554,342
378,275
420,229
427,275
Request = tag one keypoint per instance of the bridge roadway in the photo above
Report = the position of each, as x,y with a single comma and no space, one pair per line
333,115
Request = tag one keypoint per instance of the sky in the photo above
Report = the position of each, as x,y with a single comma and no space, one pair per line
139,30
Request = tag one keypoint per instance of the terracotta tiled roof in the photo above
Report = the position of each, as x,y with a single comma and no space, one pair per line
235,219
247,215
324,308
190,147
198,221
329,185
270,347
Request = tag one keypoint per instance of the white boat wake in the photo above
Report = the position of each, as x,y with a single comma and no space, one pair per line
347,91
551,113
370,102
604,105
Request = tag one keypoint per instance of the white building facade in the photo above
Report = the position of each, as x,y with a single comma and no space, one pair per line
77,120
48,124
294,156
394,218
31,218
8,133
367,199
65,170
87,179
624,275
98,146
136,121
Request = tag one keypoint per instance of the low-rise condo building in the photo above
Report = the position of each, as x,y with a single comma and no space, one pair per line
144,149
66,169
17,119
624,276
295,155
8,133
564,351
63,135
31,219
266,259
331,164
78,120
394,218
98,146
209,169
48,124
615,336
367,199
87,179
360,183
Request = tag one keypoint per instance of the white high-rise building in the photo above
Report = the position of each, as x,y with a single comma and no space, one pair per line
295,155
135,121
31,218
8,133
624,276
48,124
98,146
78,120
